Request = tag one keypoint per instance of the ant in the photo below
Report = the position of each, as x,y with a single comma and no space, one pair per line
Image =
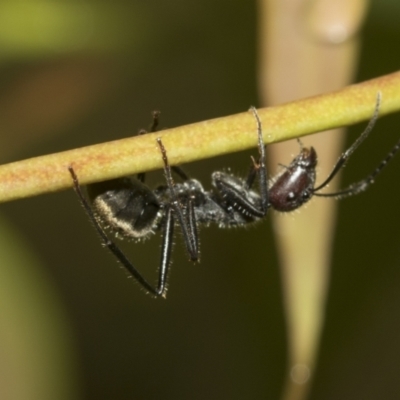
132,210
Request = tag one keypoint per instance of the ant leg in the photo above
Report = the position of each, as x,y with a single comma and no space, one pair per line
166,245
166,248
180,172
251,176
261,166
190,230
346,155
362,185
141,176
153,128
156,121
185,213
235,195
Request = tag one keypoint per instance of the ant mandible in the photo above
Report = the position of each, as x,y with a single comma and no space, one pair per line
129,208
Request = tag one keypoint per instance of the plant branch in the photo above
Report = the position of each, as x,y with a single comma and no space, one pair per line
205,139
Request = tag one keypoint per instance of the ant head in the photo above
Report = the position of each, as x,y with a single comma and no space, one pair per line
295,186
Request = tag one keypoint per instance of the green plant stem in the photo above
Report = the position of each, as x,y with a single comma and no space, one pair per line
205,139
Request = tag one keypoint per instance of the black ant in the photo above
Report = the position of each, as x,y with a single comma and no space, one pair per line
133,210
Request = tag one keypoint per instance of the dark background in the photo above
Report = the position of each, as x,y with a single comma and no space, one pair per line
221,331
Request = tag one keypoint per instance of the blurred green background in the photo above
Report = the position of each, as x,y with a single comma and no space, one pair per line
72,326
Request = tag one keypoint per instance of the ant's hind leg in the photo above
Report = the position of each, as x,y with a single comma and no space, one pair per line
121,257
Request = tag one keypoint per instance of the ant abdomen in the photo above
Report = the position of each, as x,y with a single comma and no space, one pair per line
125,205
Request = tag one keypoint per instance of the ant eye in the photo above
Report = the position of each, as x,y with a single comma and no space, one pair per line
290,197
306,195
